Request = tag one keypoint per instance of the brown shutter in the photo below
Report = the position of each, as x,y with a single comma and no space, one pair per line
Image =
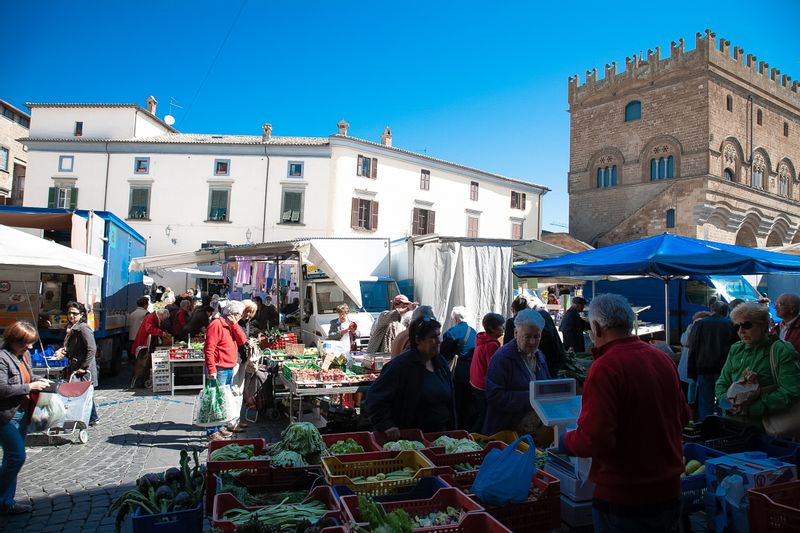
414,221
354,214
523,200
431,221
374,168
358,166
513,197
52,197
374,213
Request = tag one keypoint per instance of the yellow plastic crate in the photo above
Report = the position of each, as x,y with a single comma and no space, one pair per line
339,472
503,436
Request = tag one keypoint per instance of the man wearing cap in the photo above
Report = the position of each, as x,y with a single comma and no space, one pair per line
388,325
573,326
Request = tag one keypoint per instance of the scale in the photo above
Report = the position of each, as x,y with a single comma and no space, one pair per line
557,404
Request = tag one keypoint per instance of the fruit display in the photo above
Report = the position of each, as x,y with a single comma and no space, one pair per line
693,468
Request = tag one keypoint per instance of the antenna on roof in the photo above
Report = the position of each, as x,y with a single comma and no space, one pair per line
169,119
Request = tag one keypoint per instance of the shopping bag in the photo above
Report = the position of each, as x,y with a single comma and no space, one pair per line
49,412
506,475
210,408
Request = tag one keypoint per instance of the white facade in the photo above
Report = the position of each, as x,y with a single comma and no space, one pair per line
126,148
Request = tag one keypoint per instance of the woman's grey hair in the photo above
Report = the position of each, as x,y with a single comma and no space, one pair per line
162,313
249,304
529,317
234,307
458,314
752,311
611,311
422,310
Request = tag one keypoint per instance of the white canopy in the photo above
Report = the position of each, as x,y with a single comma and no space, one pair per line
181,259
196,272
22,251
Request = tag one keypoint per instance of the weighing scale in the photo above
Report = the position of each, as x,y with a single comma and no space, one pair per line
558,406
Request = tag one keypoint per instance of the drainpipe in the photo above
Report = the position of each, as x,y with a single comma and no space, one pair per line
264,218
105,193
752,141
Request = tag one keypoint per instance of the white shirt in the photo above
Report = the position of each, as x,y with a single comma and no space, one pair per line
135,319
784,326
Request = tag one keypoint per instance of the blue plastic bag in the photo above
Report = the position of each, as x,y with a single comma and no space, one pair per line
506,475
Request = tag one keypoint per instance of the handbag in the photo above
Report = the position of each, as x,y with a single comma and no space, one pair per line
454,360
787,423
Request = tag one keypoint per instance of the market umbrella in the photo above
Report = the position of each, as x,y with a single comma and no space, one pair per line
664,257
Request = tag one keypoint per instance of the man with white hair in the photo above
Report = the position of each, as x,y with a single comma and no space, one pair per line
787,307
458,344
223,338
631,425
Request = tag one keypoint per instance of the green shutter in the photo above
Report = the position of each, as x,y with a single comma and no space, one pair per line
52,196
73,198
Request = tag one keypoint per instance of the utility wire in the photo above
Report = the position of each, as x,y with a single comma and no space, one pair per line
214,62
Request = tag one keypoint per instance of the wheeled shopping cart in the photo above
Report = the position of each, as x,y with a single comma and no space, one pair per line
77,396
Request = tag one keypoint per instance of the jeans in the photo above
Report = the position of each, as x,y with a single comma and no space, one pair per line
12,440
224,377
607,518
93,417
706,405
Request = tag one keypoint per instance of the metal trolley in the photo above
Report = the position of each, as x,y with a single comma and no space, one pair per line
77,396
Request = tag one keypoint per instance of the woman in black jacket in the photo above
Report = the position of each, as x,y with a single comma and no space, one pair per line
415,389
16,384
80,349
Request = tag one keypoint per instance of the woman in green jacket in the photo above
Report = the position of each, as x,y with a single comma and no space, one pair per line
751,321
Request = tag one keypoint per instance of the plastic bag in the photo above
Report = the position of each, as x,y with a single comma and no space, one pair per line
506,475
745,390
210,408
49,411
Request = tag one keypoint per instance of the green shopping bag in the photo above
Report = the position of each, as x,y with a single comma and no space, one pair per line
210,408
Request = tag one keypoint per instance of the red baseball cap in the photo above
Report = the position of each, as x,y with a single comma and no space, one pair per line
401,299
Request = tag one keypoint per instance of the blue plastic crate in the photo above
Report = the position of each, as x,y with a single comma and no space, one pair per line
425,488
58,363
785,450
693,488
188,521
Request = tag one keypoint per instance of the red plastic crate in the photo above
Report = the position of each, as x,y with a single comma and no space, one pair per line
364,438
441,500
444,463
226,502
405,434
214,467
775,509
455,434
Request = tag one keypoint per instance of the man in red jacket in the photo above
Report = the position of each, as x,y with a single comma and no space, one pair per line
787,307
223,338
631,424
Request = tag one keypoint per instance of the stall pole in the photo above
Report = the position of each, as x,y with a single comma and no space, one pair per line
666,310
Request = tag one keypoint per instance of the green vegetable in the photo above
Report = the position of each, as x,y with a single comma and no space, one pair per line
465,467
283,515
396,475
403,445
441,518
288,458
251,498
345,446
379,521
233,452
452,445
303,438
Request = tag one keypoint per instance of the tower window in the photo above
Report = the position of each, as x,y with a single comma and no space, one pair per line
729,103
670,218
728,174
785,129
759,117
607,177
662,168
633,111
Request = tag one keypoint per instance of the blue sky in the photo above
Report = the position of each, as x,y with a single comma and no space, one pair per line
479,83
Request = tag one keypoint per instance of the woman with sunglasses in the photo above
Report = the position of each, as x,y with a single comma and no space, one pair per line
415,389
751,321
80,349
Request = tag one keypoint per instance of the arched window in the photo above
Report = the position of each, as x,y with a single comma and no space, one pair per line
759,117
633,111
662,168
607,177
783,186
670,167
662,162
729,103
670,218
599,178
614,176
758,170
653,169
758,175
728,174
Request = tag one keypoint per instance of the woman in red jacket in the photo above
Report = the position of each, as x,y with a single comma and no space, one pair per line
151,326
223,338
486,343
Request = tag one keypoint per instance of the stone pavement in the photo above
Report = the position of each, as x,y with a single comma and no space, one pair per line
72,485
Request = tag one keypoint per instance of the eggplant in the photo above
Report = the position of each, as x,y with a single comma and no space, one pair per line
183,500
172,474
164,493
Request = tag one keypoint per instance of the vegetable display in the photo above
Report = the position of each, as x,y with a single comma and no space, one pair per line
452,445
233,452
693,467
380,521
573,369
449,517
288,458
175,490
283,516
403,445
253,498
345,446
465,467
541,458
302,438
396,475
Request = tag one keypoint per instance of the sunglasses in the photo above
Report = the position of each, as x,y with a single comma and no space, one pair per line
73,314
744,325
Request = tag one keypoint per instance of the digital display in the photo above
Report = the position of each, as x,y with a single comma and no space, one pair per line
555,388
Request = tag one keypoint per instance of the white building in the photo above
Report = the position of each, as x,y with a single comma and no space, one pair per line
183,190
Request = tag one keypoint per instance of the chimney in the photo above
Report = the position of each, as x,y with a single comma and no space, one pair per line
343,125
266,132
386,137
151,104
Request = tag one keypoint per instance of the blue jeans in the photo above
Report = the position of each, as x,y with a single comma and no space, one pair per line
224,377
706,403
608,518
12,440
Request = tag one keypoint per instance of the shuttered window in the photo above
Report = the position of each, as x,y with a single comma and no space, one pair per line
425,180
473,191
517,200
292,207
3,158
364,214
62,197
367,167
516,230
423,221
472,227
218,205
139,208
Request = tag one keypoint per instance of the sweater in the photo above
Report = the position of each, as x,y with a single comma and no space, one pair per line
709,343
573,326
550,344
222,344
631,424
507,388
757,360
485,347
394,399
82,351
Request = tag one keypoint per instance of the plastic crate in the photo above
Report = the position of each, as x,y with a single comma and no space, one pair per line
405,434
775,508
455,434
225,502
446,461
273,479
364,438
693,488
187,521
339,471
425,488
440,501
503,436
718,433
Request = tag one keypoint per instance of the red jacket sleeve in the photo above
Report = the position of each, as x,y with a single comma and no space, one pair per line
151,326
597,424
213,336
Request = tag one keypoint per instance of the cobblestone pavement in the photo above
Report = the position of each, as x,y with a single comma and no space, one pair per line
72,485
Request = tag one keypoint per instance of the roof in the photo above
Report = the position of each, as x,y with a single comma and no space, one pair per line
566,241
208,138
15,108
32,105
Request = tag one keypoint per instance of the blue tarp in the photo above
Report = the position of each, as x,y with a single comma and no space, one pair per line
663,256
